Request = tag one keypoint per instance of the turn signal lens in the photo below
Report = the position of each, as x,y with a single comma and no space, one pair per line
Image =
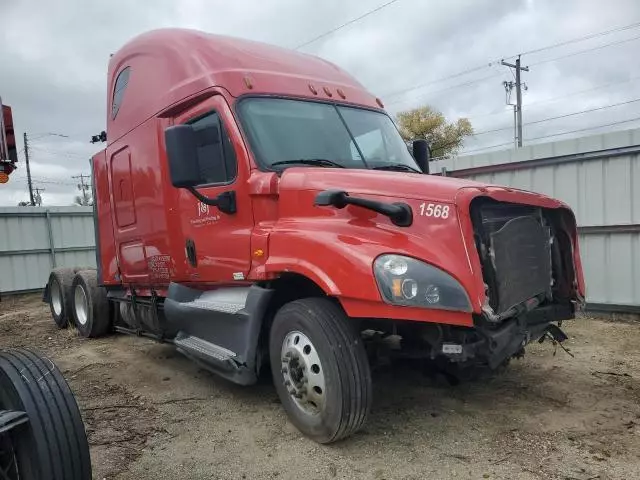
396,287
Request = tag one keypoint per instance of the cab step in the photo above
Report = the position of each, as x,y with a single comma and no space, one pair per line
201,347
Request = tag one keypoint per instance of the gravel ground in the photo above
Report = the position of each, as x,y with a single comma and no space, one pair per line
151,414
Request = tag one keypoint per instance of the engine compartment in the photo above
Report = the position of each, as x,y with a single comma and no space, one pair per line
526,257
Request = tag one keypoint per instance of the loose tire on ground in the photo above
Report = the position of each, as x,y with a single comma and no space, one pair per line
90,305
336,381
52,445
60,295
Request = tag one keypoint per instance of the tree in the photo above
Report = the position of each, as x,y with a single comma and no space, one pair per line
425,122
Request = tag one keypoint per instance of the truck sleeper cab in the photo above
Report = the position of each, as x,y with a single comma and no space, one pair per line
257,207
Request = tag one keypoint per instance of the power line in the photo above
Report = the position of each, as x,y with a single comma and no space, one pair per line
48,182
59,152
438,80
581,39
577,130
573,54
595,109
457,85
586,128
350,22
553,99
547,47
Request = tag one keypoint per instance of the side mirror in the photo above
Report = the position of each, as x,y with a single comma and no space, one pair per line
422,154
183,144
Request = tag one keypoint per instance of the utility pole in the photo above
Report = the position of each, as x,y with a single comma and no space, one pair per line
518,84
38,197
84,188
26,160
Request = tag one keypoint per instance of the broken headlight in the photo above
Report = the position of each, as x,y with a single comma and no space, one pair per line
410,282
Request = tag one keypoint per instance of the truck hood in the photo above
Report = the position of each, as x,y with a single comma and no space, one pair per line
375,182
403,185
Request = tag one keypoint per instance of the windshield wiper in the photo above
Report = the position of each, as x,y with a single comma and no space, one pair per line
320,162
398,167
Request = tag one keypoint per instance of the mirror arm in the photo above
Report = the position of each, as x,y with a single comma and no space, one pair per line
204,199
226,201
399,213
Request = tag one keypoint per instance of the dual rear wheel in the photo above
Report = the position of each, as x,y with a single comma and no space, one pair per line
76,299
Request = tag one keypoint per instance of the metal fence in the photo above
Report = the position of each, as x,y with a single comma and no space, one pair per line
599,177
33,240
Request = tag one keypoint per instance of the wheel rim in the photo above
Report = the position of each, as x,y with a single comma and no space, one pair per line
56,297
81,304
302,373
8,440
8,461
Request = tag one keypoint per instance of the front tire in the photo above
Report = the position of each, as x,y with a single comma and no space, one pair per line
90,305
320,369
52,444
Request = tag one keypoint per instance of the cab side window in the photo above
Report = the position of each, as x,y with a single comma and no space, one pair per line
218,163
118,91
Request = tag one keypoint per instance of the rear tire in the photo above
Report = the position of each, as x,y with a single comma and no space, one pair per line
60,296
91,312
53,443
320,369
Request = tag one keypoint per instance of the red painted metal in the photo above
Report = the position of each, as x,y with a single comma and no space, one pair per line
8,150
177,75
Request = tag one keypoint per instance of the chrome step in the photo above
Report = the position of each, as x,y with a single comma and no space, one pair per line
198,345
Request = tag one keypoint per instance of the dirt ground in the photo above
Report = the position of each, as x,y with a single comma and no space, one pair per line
152,414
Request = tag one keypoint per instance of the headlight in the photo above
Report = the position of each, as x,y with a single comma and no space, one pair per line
410,282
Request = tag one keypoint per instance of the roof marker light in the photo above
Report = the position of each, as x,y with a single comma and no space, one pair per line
248,83
327,91
341,93
313,89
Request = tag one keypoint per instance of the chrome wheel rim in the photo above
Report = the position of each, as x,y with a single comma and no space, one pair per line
56,298
302,373
81,305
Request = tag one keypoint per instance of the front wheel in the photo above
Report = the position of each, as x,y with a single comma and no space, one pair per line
320,369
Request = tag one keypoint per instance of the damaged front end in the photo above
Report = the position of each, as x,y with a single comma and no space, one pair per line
526,255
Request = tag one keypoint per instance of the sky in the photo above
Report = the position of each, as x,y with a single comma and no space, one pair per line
54,55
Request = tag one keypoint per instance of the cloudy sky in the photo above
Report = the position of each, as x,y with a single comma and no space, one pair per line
54,54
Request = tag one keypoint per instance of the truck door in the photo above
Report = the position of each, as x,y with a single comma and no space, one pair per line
216,244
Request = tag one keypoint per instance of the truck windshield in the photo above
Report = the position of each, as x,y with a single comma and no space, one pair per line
286,132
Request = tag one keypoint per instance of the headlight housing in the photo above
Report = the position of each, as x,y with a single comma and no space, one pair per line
410,282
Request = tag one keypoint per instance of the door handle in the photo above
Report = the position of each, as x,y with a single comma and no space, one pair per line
190,248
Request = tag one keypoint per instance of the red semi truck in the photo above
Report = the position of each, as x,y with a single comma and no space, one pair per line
257,207
8,150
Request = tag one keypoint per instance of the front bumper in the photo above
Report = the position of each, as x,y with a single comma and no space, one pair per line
500,342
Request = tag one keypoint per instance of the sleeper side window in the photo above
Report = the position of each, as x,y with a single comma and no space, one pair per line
217,162
118,91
